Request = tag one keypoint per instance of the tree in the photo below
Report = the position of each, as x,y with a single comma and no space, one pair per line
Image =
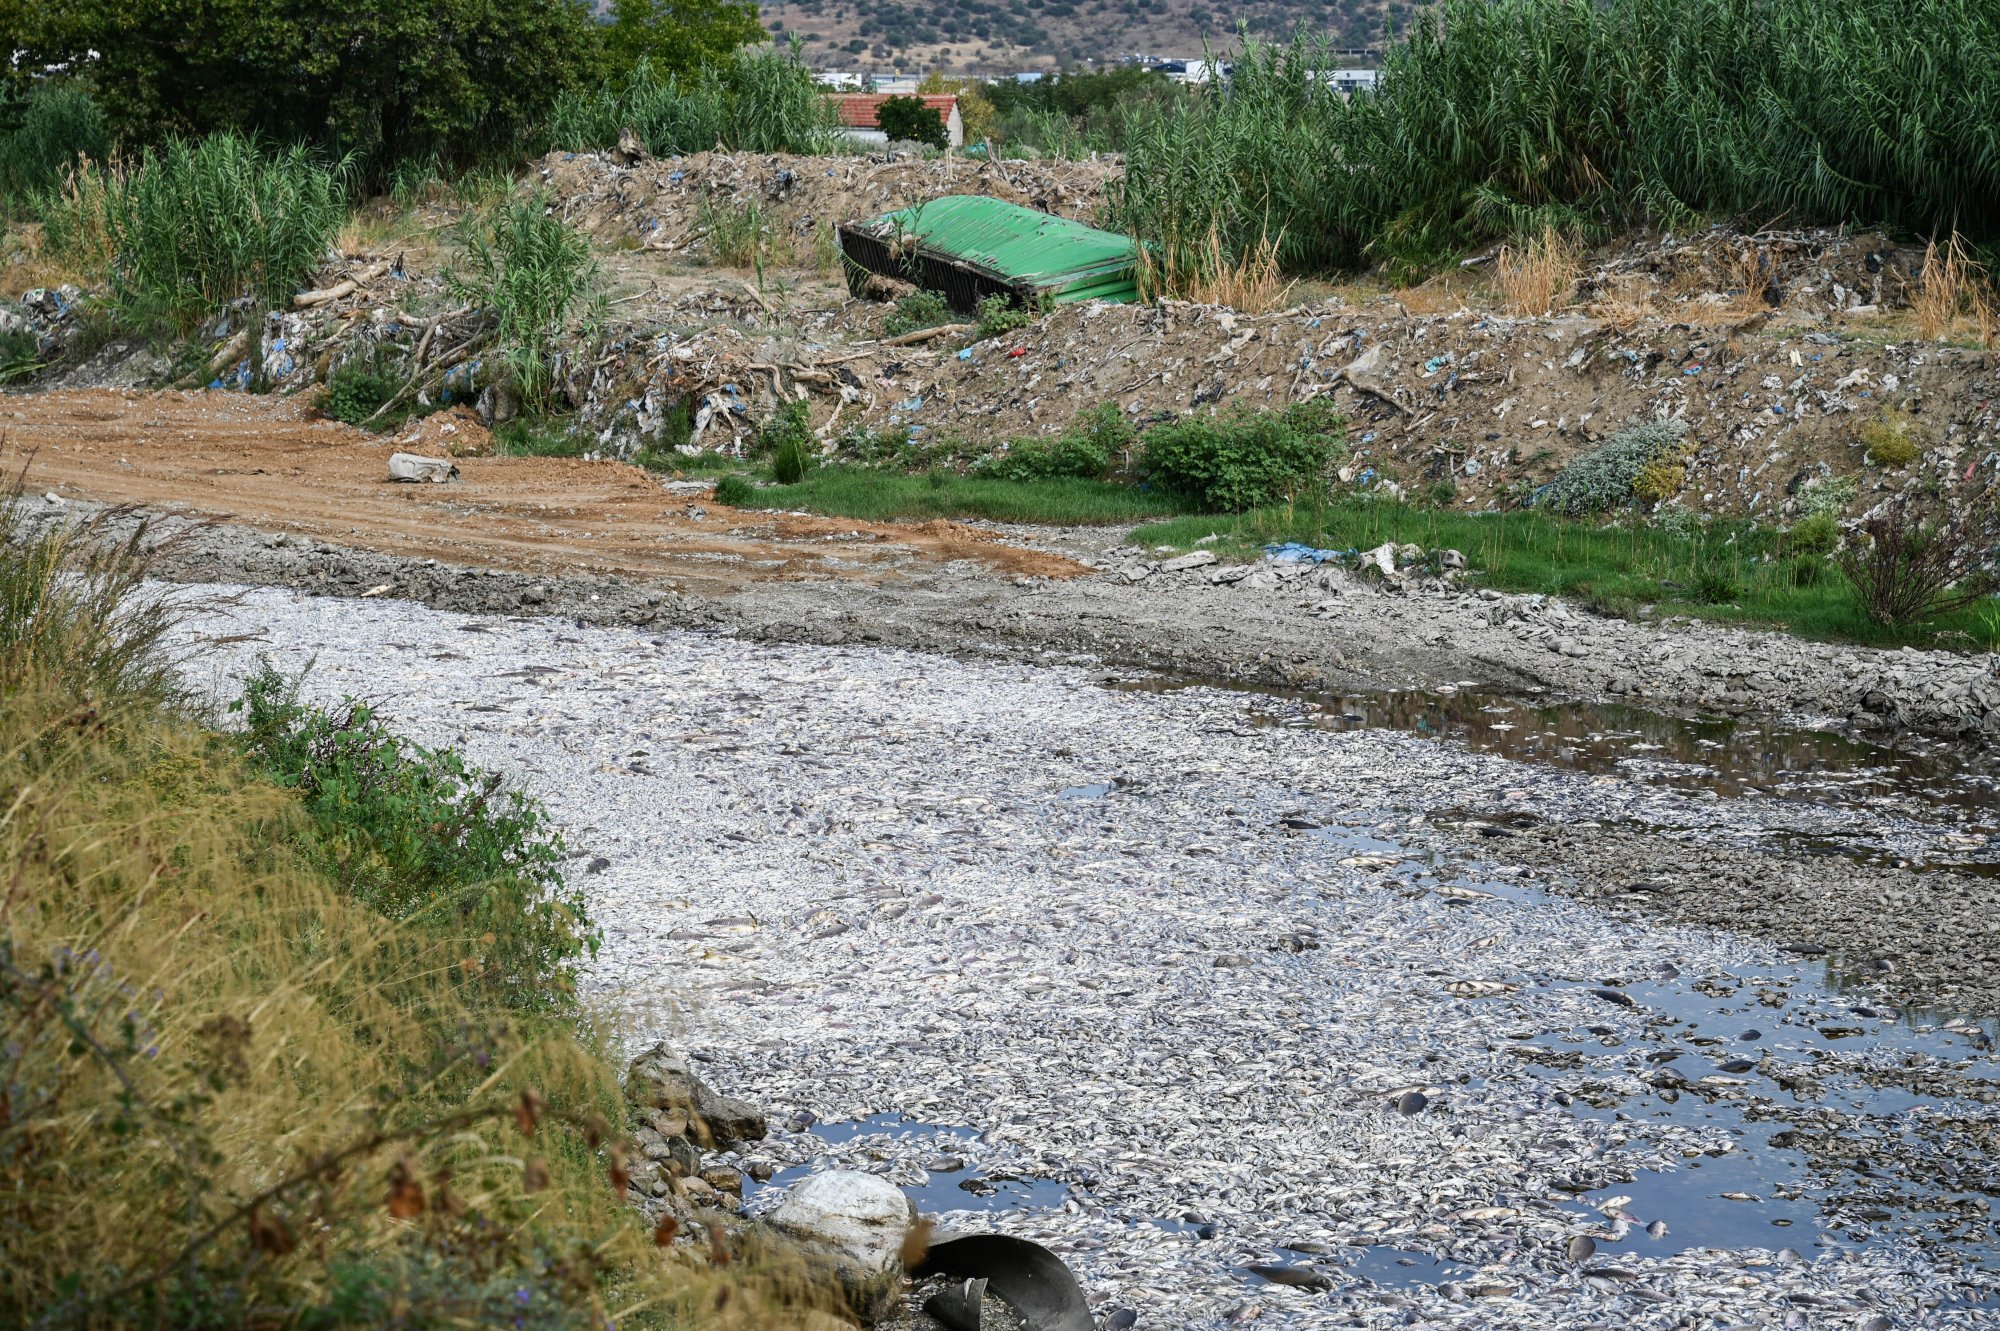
975,109
908,120
679,36
385,80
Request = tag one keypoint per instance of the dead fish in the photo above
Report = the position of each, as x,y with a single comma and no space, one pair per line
1657,1230
1613,996
1122,1320
1480,988
1294,1277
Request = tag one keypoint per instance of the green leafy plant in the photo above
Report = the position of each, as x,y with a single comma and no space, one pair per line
918,310
1241,459
1815,534
735,491
1089,449
60,130
789,436
417,833
1611,474
1000,313
735,233
356,390
755,101
1887,442
908,120
534,274
20,354
197,224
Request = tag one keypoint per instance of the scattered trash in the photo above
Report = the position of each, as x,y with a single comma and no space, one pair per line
1030,1279
411,467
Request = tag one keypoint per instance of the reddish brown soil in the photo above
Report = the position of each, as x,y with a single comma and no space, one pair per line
272,463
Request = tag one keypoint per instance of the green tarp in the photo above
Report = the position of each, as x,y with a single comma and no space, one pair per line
967,247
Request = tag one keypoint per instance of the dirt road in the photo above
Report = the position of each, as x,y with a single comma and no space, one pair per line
274,464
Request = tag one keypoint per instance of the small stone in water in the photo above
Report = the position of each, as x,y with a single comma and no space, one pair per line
1411,1102
1582,1248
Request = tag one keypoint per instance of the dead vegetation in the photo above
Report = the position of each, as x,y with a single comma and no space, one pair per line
1536,277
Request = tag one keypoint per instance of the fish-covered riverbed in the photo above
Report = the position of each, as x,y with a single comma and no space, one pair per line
1239,1018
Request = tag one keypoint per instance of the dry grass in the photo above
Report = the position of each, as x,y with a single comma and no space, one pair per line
1438,295
1954,291
1537,278
231,1094
1254,284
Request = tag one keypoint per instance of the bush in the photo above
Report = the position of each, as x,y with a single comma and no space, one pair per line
20,354
735,491
1921,555
1887,442
1242,459
357,390
1611,474
1827,496
735,235
918,310
61,127
909,120
1088,450
199,223
418,835
1815,534
790,439
1002,314
534,273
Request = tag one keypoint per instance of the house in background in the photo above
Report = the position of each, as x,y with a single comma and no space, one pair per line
857,117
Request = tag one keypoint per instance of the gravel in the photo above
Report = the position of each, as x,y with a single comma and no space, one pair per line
1216,979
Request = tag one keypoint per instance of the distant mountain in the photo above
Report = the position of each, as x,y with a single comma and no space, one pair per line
1010,35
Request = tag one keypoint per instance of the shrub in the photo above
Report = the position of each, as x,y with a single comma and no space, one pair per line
534,273
909,120
1088,450
756,101
357,390
1919,555
20,354
790,438
735,491
419,835
1002,314
1242,459
199,223
61,128
1814,534
919,309
1887,442
1609,475
1827,496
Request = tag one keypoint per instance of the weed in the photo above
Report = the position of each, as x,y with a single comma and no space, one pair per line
537,437
1715,583
1538,276
1610,474
918,310
417,834
1241,459
1827,496
735,233
197,224
735,491
20,354
1097,442
1815,534
1952,285
877,495
790,439
1886,440
534,273
357,389
1000,314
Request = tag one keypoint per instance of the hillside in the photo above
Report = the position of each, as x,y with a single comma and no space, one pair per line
1034,34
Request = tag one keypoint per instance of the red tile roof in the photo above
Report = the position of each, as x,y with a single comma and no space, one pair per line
857,111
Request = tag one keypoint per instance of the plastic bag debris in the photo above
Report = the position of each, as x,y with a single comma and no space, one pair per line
411,467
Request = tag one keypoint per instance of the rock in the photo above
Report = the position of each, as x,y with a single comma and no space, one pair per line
1186,562
1136,573
1260,581
1230,573
861,1216
1451,559
723,1179
660,1079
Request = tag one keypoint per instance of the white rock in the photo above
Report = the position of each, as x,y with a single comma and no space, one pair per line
862,1215
1186,562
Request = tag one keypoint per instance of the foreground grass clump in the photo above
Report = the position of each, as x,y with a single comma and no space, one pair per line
237,1091
195,224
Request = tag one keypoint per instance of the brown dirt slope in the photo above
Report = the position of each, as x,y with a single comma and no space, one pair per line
271,463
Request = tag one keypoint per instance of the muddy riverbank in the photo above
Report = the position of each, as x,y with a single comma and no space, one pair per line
1184,994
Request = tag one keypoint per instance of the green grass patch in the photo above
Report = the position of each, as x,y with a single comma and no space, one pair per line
1736,572
860,492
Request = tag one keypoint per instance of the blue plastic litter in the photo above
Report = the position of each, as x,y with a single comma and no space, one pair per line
965,353
461,378
1777,408
676,175
1292,552
1367,475
914,404
1436,363
1692,369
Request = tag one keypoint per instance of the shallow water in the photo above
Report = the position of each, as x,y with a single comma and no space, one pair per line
1731,758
